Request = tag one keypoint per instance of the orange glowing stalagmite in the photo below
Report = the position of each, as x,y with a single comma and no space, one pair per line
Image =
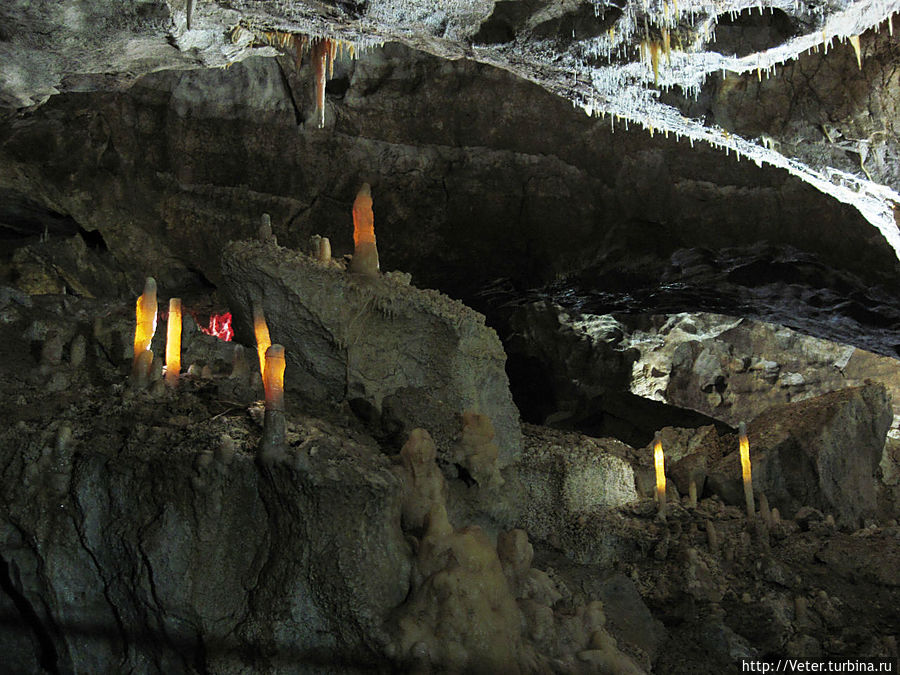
145,325
273,378
745,469
659,463
263,341
365,253
173,342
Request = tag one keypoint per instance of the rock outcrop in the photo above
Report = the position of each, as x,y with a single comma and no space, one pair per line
727,368
562,477
822,452
157,544
349,338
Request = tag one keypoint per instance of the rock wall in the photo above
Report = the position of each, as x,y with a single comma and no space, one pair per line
133,552
183,162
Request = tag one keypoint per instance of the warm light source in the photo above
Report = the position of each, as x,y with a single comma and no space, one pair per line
659,462
273,378
145,325
745,468
365,254
263,341
173,342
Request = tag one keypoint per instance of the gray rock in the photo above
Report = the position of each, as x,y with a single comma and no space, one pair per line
154,563
628,618
822,452
350,338
566,475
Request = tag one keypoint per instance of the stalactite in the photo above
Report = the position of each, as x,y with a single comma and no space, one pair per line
321,50
854,42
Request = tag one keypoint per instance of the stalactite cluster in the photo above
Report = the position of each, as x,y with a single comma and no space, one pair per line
323,53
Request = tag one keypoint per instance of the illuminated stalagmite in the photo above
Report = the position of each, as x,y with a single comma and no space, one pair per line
173,342
263,341
145,325
365,253
272,444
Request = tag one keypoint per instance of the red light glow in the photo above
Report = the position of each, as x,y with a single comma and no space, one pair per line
220,326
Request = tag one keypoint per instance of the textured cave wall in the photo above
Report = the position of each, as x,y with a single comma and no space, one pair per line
822,108
476,175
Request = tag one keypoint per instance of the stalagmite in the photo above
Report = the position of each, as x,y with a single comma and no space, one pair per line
173,342
272,446
273,378
266,236
140,371
324,252
712,538
77,351
146,321
263,341
365,253
239,368
745,469
764,511
659,465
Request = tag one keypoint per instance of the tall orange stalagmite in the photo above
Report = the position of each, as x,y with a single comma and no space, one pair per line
145,327
272,444
365,253
261,332
173,342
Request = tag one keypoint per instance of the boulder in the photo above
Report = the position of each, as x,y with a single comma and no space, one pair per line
348,337
564,475
822,452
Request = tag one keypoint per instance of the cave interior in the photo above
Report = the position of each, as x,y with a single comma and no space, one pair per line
481,336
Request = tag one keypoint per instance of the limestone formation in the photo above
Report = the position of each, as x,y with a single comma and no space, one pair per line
346,340
822,452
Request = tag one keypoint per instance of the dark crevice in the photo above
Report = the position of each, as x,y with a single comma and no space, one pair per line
751,31
47,656
82,539
93,239
298,115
